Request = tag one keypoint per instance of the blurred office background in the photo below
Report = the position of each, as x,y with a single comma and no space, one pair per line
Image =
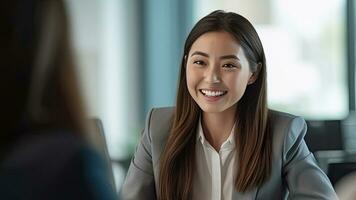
129,53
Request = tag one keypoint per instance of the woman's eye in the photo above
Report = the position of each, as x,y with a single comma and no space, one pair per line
199,62
229,65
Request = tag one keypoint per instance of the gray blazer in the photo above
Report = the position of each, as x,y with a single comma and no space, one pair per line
295,174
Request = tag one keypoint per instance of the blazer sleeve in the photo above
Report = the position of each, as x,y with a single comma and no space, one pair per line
139,183
304,179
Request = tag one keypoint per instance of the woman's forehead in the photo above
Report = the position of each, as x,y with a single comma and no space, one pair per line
218,42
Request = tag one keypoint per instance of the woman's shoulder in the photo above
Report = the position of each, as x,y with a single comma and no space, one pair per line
160,119
158,126
162,112
287,130
282,120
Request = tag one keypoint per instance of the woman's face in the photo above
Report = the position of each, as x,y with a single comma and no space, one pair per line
217,72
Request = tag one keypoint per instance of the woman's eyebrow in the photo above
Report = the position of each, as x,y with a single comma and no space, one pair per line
229,57
221,57
200,53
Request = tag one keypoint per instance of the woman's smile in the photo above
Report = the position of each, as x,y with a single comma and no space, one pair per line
212,95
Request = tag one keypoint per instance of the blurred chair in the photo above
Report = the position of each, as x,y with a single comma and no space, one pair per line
349,132
328,130
338,160
336,171
99,141
336,163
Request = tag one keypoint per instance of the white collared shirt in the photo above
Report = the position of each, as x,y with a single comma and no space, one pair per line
214,175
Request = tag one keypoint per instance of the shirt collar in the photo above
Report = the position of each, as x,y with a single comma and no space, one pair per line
230,141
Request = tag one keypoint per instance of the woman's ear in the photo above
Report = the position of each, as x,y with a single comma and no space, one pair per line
255,74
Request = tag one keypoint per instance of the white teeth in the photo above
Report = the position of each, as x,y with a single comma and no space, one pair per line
212,93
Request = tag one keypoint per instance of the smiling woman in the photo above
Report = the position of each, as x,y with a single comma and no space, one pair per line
221,141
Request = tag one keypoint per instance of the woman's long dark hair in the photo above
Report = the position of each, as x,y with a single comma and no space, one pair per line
253,138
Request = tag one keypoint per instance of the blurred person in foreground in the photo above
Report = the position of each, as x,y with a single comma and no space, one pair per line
44,151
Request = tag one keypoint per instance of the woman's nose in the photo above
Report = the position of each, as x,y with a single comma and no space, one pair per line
213,75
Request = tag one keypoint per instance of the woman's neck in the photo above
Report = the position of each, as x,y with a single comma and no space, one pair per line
217,127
